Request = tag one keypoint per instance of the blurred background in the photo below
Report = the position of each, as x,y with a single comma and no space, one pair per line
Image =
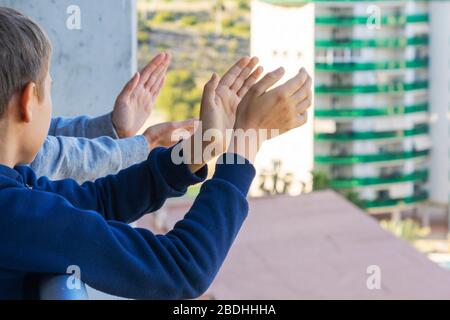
380,134
375,154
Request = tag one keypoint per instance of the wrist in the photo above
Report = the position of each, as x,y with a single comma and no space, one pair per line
246,143
151,140
122,134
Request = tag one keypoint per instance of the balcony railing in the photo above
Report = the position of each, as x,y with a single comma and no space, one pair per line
385,203
371,135
390,20
402,42
56,288
368,89
369,112
369,66
348,183
368,158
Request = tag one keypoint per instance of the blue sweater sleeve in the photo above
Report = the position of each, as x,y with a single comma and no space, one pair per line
133,192
83,127
84,159
47,234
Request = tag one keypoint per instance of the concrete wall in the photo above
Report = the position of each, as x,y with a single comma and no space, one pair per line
90,65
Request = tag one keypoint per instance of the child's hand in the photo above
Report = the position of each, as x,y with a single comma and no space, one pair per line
137,99
222,96
160,135
283,108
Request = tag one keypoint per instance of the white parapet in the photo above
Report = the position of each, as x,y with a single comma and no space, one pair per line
440,100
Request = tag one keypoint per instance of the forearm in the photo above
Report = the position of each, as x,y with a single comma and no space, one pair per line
88,159
123,261
84,127
140,189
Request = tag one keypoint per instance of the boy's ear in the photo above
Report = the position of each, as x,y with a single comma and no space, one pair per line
26,101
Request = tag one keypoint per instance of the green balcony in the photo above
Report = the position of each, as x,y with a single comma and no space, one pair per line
369,112
348,183
368,158
371,135
370,66
370,89
372,43
392,20
376,204
301,2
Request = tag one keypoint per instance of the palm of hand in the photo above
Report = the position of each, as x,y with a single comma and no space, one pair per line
221,98
133,110
136,101
226,101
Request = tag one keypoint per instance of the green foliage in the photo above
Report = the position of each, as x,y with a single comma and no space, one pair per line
143,37
228,23
180,98
190,20
353,197
407,229
164,16
244,5
321,181
239,29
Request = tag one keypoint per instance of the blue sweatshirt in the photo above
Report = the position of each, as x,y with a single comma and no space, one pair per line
47,226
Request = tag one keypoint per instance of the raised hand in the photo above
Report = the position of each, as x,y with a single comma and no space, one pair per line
222,96
136,101
276,111
218,109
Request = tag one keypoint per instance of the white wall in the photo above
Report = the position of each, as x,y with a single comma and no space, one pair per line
90,65
284,36
440,100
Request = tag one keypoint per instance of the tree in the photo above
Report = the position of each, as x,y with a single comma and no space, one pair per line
321,181
180,98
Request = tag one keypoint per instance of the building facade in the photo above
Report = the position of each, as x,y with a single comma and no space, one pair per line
381,97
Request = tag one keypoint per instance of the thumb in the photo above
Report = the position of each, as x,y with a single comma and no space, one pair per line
210,88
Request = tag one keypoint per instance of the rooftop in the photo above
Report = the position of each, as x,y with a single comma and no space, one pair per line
318,246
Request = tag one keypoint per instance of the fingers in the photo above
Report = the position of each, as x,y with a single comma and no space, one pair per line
268,81
291,86
158,86
231,76
251,80
237,85
302,119
210,89
187,125
131,85
151,66
304,92
155,78
304,105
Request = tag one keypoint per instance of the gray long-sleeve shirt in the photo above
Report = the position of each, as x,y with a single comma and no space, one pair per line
85,149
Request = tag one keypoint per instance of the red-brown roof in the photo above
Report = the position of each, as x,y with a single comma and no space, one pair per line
319,246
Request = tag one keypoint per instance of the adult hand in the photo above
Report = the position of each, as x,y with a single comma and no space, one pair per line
276,111
161,134
218,109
